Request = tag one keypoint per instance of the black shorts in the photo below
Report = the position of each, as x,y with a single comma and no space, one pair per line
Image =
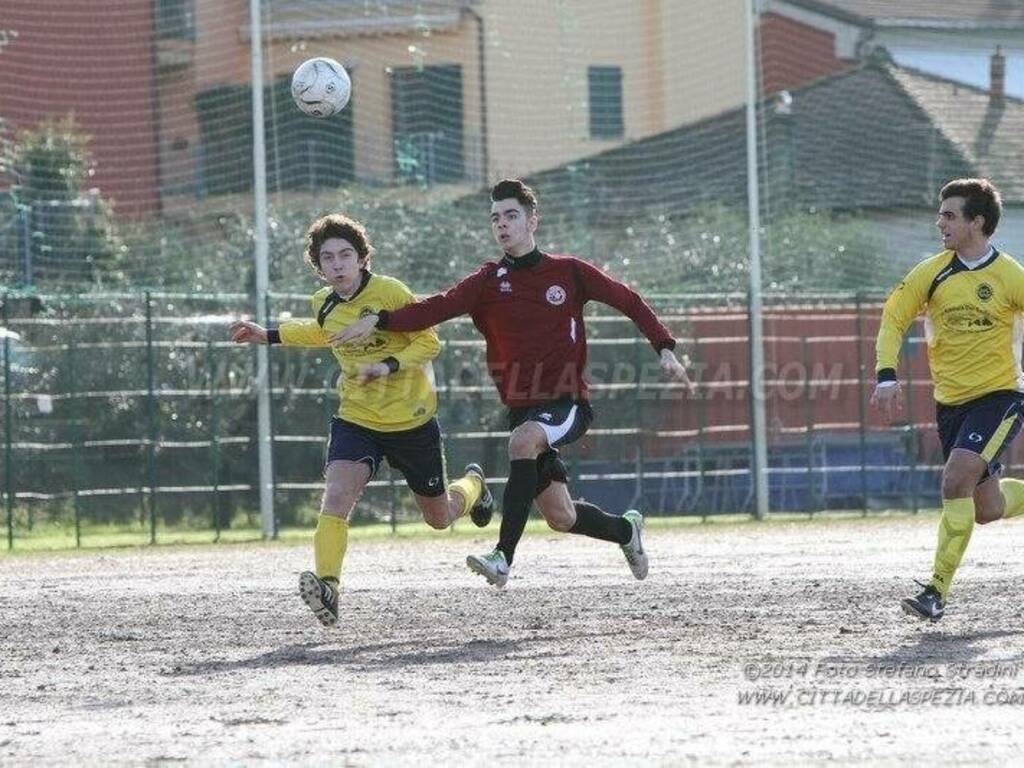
417,453
984,426
563,421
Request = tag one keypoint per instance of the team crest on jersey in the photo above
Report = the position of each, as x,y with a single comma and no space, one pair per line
984,291
555,295
367,311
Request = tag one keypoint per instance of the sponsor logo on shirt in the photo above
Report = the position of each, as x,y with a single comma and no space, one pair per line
967,318
555,295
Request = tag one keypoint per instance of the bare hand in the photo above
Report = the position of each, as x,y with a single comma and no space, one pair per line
888,399
367,372
244,332
357,331
674,370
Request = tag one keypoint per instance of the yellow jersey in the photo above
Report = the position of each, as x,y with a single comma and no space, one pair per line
403,400
972,324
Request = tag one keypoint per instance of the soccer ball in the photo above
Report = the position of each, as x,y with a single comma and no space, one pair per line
321,87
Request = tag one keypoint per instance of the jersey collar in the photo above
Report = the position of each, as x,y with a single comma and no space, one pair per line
364,278
981,263
333,299
525,261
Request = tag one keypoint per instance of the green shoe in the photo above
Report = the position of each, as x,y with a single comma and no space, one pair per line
491,566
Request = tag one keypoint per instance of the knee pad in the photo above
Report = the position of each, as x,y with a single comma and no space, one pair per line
550,468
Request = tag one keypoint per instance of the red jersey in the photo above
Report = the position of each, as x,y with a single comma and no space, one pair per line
530,311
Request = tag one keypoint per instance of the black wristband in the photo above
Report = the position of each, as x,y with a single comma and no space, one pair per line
382,319
670,344
391,363
273,336
886,374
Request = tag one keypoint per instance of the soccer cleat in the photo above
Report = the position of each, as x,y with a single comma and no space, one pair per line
483,510
926,605
634,551
491,566
321,596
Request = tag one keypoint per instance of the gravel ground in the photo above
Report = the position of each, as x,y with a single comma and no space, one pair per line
775,644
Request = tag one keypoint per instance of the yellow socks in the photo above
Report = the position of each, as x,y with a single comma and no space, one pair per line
1013,493
329,544
955,528
469,488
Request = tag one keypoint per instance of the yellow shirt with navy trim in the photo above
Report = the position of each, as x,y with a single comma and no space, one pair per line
403,400
972,324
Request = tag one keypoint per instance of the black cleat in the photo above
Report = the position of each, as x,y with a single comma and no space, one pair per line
321,596
483,510
927,605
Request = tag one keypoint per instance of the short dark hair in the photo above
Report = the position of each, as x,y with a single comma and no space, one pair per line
509,188
336,225
981,198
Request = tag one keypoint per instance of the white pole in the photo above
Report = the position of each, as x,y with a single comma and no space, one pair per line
259,186
759,427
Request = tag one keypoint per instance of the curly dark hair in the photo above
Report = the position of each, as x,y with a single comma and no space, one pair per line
336,225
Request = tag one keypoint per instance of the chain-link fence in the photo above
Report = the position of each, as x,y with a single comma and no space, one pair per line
138,168
129,415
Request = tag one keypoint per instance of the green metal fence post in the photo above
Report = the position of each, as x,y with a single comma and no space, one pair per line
214,438
393,499
8,435
809,424
703,394
76,440
861,395
638,418
270,398
912,432
151,417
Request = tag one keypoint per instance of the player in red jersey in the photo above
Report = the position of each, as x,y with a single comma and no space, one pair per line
529,308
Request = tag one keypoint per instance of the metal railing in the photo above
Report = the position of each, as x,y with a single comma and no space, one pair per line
134,412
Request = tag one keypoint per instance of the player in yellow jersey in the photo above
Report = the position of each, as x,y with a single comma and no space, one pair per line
972,295
388,403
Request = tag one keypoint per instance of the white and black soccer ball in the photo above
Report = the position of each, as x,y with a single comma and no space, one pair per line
321,87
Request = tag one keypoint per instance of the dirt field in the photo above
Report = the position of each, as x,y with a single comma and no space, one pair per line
207,655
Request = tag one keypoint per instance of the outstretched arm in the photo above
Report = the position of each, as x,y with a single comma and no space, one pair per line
245,332
294,333
600,287
420,315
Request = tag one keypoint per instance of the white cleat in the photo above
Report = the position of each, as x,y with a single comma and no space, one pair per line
491,566
634,551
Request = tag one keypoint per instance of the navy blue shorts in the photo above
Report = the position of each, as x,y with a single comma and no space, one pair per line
984,426
417,453
563,421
